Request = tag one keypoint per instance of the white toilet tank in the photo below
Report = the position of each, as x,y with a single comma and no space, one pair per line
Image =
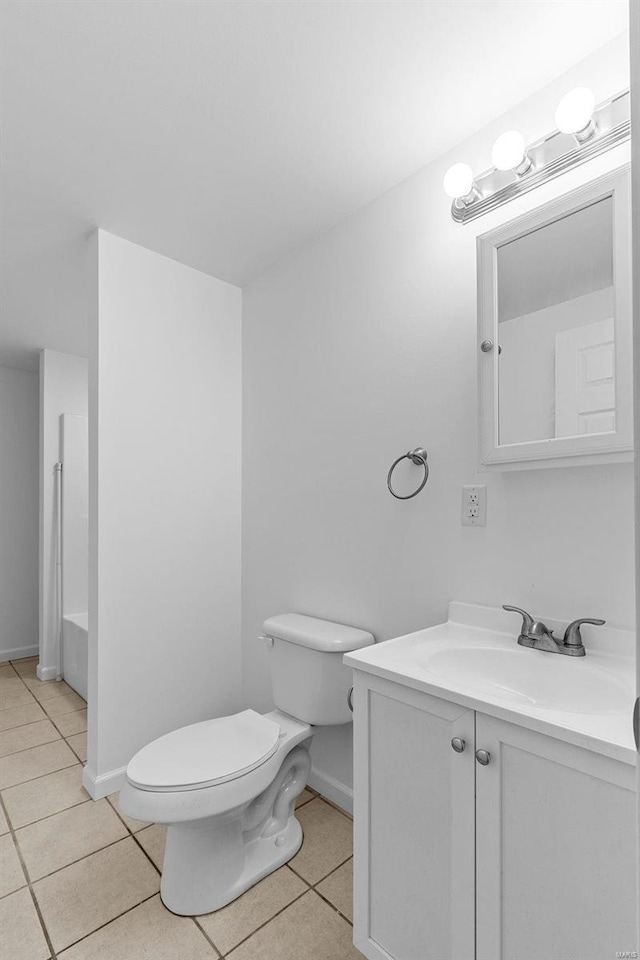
308,678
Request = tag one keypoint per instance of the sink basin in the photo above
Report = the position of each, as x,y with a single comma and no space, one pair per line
547,680
474,660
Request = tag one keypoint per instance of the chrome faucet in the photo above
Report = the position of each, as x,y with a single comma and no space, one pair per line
537,635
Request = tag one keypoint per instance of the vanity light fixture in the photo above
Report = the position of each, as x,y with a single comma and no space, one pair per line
509,153
458,184
574,114
584,130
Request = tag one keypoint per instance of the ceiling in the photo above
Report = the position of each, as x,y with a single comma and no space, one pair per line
224,133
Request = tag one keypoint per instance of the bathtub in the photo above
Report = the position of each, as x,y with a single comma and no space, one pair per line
75,633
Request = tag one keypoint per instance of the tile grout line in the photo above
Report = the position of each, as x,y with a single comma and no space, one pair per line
48,816
333,906
66,714
336,808
266,922
10,664
310,889
15,753
29,885
314,886
295,872
204,933
331,872
103,925
133,833
41,775
72,863
53,721
147,855
27,723
71,747
304,803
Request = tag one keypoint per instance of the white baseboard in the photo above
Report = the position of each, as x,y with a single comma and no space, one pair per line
332,789
47,673
106,783
19,653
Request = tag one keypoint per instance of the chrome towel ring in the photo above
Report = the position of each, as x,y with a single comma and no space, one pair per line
417,456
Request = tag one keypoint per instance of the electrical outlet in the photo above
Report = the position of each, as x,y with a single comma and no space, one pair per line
474,505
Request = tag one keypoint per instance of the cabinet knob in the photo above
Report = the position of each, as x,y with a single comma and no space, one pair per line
458,744
483,757
486,346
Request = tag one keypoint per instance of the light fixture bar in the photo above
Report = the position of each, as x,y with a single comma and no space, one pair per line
550,157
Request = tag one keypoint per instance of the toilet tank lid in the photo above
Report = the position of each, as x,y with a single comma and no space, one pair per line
323,635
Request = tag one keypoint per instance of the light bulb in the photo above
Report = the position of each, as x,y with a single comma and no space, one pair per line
574,113
458,181
508,150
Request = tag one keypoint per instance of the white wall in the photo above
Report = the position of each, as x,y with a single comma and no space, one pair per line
164,474
75,514
63,389
18,513
363,345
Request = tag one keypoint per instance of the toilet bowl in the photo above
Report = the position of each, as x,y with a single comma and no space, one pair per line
226,788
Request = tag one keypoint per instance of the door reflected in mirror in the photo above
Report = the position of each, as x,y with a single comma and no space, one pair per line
556,305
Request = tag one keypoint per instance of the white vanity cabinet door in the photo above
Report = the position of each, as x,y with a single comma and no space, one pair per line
555,849
414,824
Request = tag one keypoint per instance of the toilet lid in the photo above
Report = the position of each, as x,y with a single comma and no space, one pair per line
205,753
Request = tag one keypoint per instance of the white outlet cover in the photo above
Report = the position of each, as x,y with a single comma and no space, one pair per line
474,505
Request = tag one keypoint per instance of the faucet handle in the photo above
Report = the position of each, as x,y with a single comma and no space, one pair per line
527,619
572,636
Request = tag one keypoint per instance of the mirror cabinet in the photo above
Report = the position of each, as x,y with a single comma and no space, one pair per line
555,332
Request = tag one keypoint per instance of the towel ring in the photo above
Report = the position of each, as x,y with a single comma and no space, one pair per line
417,456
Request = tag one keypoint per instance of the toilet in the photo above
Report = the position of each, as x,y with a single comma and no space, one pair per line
226,788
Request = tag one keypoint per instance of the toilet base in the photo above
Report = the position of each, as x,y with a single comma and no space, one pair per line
263,856
212,861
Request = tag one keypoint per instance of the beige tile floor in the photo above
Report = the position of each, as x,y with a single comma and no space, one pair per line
79,880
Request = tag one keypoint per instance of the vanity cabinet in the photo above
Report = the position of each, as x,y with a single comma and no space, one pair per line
529,857
555,848
413,825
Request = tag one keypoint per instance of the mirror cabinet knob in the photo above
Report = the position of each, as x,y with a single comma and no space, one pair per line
486,346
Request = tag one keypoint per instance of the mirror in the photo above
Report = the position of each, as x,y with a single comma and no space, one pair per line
555,329
555,306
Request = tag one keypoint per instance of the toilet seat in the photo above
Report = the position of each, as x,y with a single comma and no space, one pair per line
204,754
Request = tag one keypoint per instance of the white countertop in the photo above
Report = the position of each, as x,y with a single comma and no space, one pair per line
411,660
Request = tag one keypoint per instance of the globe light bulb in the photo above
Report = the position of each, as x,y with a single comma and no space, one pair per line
508,150
458,181
574,113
